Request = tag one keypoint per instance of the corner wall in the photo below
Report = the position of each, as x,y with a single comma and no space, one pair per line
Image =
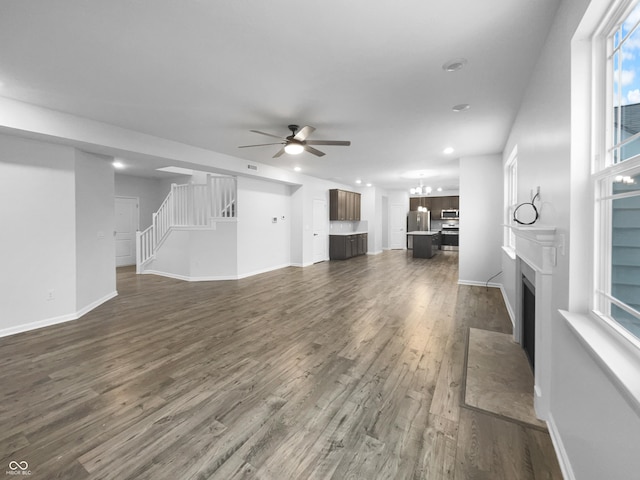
95,220
480,219
56,247
37,245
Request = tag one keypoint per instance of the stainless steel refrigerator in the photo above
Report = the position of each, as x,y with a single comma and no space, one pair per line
418,221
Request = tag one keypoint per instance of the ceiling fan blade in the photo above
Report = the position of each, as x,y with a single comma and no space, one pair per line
342,143
260,145
280,152
314,151
303,133
267,134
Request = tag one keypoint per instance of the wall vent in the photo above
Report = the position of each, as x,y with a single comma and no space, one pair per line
252,167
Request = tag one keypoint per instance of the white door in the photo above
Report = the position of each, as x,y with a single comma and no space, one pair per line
126,209
398,223
320,238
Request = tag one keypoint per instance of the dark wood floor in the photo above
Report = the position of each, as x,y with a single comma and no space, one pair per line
343,370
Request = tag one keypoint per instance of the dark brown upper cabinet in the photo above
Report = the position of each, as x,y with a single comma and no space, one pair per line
435,204
344,205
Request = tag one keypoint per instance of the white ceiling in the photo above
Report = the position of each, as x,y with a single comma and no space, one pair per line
205,72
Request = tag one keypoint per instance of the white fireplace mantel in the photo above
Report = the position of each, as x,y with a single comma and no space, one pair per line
536,246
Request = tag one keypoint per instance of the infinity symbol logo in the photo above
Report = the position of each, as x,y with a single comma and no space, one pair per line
13,465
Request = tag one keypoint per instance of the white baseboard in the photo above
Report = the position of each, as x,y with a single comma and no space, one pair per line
264,270
510,311
186,278
561,453
308,264
475,283
47,322
214,278
96,304
377,252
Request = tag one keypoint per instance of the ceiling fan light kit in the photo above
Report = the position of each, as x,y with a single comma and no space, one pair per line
293,148
297,142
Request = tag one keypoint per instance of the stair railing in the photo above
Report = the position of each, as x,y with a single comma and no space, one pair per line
191,205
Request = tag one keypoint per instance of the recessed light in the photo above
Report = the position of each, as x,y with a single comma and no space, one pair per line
439,189
454,65
358,182
297,169
463,107
368,184
118,165
448,150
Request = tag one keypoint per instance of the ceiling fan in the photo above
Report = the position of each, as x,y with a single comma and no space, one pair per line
297,142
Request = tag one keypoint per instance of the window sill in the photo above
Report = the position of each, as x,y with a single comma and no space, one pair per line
620,360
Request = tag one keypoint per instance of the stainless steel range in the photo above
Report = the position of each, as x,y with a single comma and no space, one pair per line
450,236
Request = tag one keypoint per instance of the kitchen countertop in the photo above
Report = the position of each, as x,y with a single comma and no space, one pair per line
343,234
422,232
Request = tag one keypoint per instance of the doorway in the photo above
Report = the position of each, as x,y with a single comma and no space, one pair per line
320,239
398,222
127,221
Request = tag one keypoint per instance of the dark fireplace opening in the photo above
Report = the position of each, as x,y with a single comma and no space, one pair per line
529,320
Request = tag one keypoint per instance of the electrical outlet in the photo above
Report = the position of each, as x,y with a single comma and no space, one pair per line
51,295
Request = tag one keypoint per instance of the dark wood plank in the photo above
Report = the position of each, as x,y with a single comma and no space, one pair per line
339,370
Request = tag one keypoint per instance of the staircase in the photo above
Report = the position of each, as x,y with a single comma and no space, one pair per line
191,206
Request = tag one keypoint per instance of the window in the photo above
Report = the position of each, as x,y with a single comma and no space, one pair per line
510,197
616,176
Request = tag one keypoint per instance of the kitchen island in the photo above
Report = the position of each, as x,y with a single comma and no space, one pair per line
425,243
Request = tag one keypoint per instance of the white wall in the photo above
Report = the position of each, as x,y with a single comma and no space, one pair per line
595,429
480,219
95,220
384,233
298,226
197,255
371,210
37,245
150,193
263,244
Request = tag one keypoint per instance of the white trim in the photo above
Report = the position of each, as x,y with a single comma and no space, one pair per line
511,253
505,298
47,322
97,303
214,278
475,283
308,264
619,359
561,452
264,270
186,278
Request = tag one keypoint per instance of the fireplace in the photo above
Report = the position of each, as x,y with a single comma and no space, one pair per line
529,321
536,256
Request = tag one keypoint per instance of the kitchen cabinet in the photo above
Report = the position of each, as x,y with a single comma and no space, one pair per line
435,204
344,205
342,247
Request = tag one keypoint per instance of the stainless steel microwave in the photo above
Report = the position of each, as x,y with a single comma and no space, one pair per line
450,214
